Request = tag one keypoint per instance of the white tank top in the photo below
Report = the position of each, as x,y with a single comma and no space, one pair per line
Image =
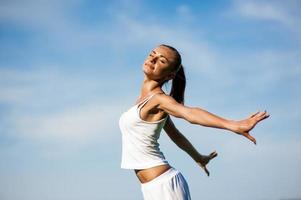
140,147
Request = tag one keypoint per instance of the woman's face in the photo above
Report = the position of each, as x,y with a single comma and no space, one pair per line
159,64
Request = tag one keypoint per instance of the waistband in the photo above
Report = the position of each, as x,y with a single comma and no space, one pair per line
162,177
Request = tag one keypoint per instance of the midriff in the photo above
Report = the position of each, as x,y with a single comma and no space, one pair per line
146,175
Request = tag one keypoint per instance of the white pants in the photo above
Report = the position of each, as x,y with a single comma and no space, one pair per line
171,185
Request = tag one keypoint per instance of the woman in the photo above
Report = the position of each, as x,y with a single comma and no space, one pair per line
142,123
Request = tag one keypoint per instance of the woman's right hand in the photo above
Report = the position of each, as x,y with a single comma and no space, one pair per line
203,160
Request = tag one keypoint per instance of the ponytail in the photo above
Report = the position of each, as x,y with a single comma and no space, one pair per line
178,86
179,82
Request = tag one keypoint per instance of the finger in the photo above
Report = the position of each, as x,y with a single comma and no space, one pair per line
262,114
253,114
262,117
250,138
206,170
213,155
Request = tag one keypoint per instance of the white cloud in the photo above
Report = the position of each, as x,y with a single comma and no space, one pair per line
52,18
53,105
184,14
183,9
71,125
43,14
196,52
263,11
283,12
54,22
271,161
262,69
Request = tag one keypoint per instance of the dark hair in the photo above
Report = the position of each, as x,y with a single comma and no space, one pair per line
179,82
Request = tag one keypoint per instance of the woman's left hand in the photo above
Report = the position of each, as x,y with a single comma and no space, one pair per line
204,160
243,127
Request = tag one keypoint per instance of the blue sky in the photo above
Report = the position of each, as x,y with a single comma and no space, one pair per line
68,69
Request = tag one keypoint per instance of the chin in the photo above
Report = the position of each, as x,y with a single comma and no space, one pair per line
146,69
147,74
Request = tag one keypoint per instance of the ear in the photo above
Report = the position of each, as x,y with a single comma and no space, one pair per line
171,76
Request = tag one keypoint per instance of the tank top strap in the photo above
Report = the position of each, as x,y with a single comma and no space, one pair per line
143,102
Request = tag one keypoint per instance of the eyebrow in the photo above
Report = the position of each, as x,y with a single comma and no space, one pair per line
160,55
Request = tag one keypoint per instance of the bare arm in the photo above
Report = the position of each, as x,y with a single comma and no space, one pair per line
183,143
202,117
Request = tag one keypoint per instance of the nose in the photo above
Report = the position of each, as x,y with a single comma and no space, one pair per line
153,59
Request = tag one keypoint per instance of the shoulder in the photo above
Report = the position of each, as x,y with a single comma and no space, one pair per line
163,98
168,104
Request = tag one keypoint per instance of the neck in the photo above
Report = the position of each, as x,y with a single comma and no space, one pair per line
149,86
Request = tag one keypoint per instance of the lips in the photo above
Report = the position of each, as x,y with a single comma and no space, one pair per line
148,66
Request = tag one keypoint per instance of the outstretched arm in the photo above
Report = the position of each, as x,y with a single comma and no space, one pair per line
182,142
202,117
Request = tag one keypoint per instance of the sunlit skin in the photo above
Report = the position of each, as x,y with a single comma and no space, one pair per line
158,67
